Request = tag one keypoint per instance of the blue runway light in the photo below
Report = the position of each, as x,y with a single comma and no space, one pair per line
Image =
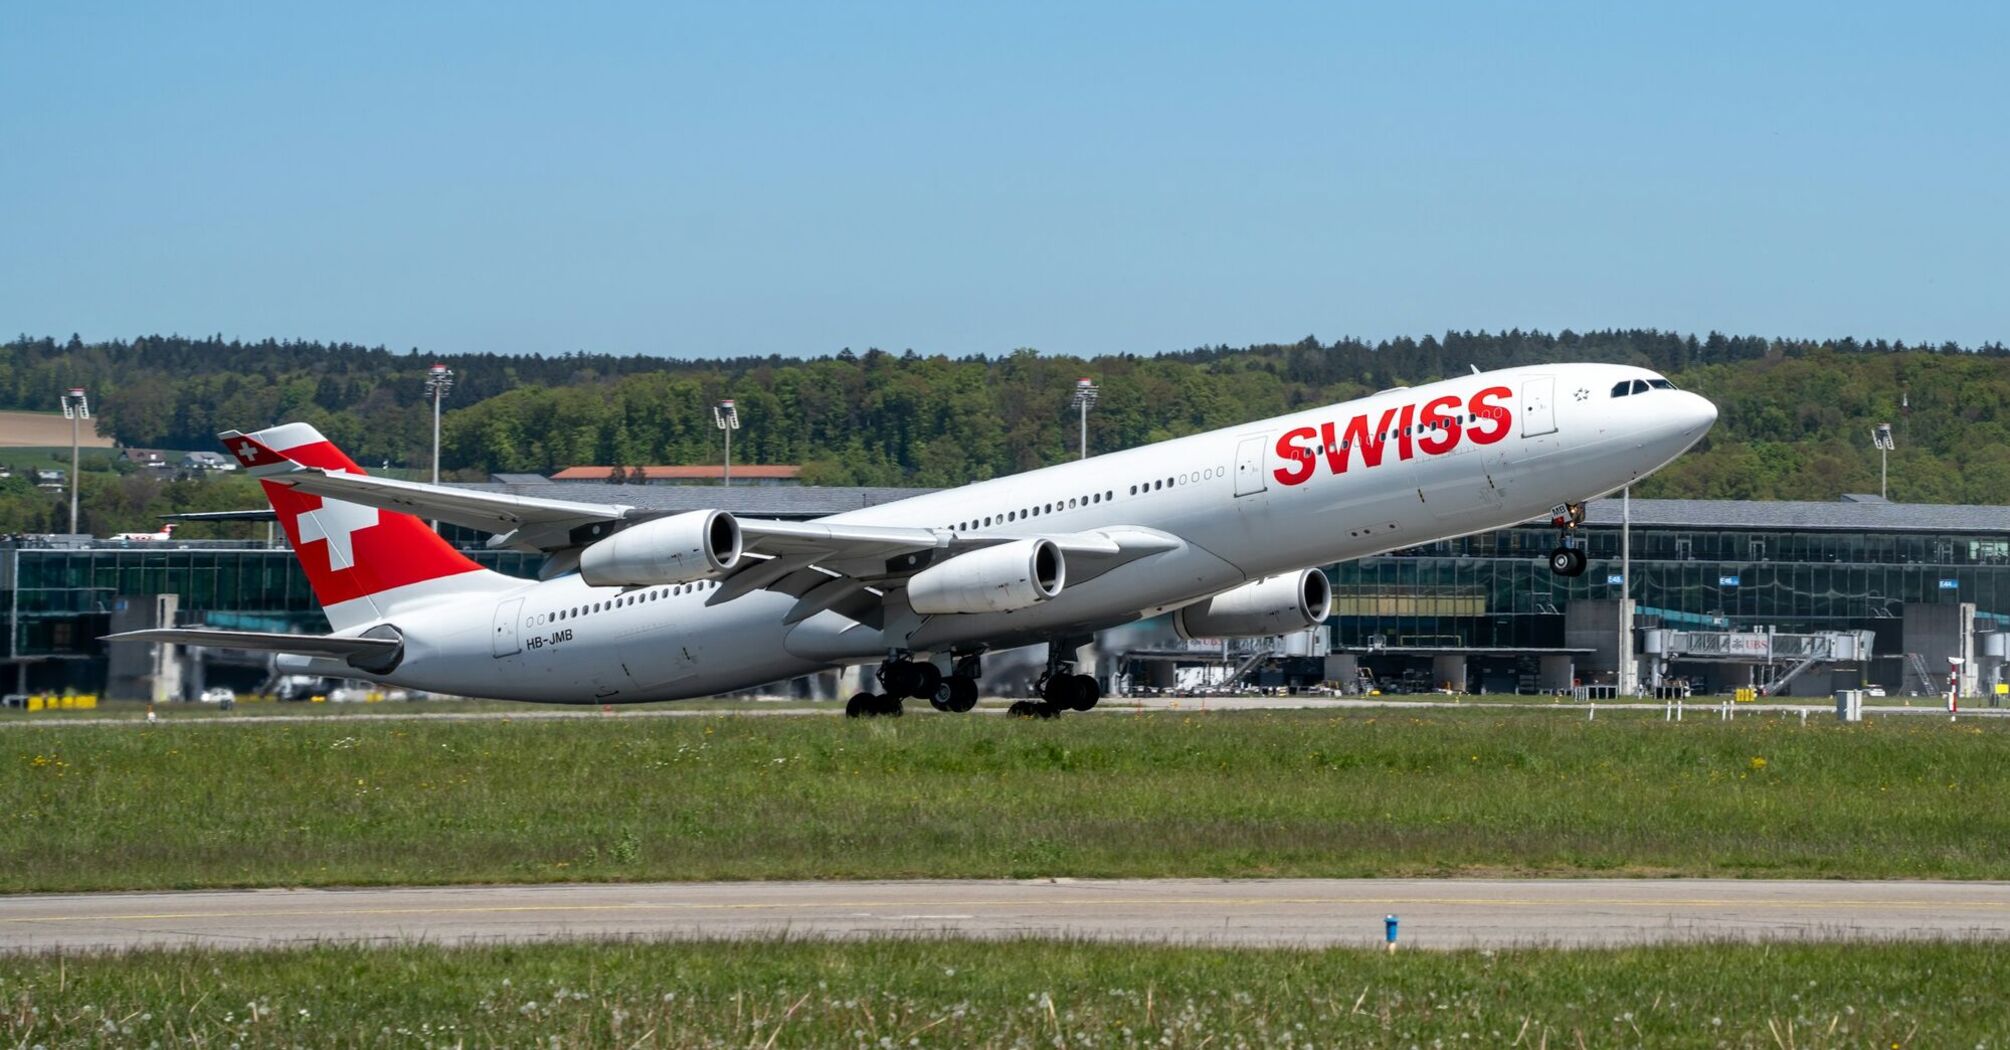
1389,924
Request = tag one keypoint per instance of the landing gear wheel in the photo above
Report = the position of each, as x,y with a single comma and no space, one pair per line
1567,561
872,705
900,677
928,680
955,695
1087,692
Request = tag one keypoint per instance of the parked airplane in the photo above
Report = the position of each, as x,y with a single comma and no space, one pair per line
166,533
1225,530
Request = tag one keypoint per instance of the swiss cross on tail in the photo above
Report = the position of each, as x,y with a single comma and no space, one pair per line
348,550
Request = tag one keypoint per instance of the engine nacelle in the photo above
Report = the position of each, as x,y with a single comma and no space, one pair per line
1272,605
1010,576
677,549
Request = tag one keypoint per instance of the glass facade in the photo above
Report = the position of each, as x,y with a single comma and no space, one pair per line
1489,591
59,601
1494,589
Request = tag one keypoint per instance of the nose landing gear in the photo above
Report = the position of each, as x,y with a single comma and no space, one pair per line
1568,559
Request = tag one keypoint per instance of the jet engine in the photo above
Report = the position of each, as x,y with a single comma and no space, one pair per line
1010,576
1272,605
677,549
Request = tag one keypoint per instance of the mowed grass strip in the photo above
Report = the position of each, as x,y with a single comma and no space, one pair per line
1017,993
1255,794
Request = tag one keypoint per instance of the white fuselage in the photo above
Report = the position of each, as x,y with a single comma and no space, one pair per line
1243,502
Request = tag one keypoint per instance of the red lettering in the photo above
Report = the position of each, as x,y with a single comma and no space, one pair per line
1441,425
1493,419
1403,430
1299,458
1357,436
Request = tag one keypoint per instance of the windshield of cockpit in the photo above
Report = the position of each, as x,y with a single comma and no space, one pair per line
1627,387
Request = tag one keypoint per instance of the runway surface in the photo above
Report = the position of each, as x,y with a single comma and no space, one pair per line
183,714
1434,913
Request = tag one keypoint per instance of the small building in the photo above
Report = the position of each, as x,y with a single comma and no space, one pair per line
713,474
146,458
51,478
206,461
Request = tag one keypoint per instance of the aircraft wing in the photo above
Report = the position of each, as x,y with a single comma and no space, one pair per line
849,567
522,522
359,652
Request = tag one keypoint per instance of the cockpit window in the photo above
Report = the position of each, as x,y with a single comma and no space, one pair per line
1622,389
1640,386
1660,384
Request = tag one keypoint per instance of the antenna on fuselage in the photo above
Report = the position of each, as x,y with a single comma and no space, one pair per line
1475,368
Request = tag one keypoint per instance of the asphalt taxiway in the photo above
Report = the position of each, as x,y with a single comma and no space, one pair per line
1432,913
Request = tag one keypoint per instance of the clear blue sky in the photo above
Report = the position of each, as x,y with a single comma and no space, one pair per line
1081,178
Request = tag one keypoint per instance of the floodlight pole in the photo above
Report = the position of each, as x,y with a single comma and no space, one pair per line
726,416
1085,395
1880,435
1628,665
439,380
76,408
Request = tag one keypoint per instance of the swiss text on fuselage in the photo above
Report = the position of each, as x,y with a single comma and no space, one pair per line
1433,428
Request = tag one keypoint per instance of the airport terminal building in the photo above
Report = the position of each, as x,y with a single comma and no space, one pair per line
1711,595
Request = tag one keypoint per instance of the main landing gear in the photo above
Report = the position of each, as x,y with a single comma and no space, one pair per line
957,692
1568,558
902,676
1060,688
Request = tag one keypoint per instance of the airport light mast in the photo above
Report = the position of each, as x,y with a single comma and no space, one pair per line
1880,436
76,409
726,416
439,380
1085,396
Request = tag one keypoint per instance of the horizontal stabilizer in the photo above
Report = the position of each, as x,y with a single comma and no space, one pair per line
368,654
265,514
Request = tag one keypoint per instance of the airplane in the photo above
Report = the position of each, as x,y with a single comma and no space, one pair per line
166,533
1225,530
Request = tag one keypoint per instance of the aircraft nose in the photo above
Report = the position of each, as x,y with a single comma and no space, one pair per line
1699,414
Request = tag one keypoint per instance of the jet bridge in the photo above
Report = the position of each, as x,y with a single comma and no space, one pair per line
1779,656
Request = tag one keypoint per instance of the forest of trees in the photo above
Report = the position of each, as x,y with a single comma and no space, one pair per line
1793,424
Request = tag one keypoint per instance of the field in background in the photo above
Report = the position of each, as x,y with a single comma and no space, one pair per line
1160,794
45,429
926,993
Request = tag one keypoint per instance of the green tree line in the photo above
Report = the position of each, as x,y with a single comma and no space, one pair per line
1794,419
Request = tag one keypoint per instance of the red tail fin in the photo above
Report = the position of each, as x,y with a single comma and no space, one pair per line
352,554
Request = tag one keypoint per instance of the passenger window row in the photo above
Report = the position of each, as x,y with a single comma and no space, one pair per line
1033,511
625,600
1106,496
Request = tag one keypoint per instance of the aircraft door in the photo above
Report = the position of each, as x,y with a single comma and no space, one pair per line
505,635
1249,465
1538,406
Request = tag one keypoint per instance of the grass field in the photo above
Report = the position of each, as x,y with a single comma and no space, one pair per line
1255,794
1022,994
46,429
